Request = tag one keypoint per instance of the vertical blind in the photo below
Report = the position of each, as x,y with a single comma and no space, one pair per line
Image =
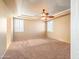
50,26
18,25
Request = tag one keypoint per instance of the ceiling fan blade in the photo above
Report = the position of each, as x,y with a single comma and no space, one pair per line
50,16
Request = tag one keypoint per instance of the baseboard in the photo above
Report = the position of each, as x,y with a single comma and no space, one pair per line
59,40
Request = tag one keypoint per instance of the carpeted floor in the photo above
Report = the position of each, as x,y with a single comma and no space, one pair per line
38,49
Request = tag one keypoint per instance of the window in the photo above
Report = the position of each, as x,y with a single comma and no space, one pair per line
50,26
18,25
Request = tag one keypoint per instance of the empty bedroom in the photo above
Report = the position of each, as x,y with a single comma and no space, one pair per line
35,29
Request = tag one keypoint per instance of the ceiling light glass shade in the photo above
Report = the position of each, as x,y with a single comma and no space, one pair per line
43,18
43,14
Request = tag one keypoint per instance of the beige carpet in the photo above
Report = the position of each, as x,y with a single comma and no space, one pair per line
38,49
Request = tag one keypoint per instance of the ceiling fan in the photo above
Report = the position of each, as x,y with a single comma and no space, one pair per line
45,15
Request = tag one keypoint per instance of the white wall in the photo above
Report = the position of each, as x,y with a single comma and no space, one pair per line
61,29
9,34
4,12
2,36
75,29
6,34
32,29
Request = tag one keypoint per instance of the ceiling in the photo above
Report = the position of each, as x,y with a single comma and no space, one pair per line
34,7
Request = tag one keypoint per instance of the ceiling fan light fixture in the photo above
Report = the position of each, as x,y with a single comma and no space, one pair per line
43,10
43,18
43,14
